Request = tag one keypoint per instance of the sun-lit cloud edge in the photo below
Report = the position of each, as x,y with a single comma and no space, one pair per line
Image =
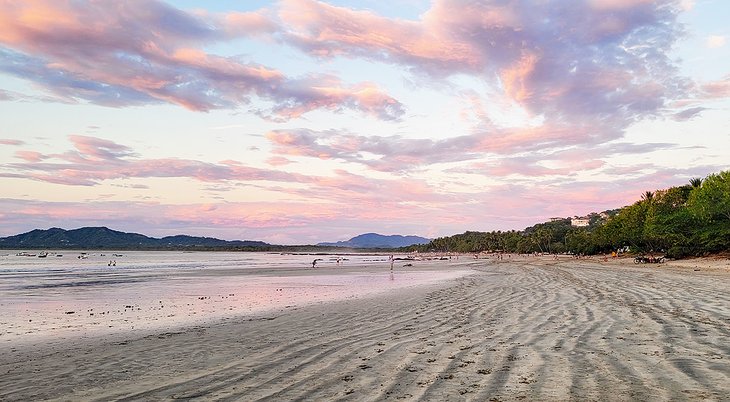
140,53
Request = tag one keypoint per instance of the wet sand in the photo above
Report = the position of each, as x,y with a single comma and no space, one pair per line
517,329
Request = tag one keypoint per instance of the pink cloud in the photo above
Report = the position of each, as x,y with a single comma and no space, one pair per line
238,24
6,95
30,156
598,69
398,154
530,168
148,52
717,89
278,161
95,159
353,204
99,149
617,4
9,141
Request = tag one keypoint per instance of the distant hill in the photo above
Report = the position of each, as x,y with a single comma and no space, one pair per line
105,238
374,240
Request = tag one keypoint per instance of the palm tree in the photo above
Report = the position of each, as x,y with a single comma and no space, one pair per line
695,182
647,196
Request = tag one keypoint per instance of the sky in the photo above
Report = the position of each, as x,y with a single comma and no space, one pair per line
302,121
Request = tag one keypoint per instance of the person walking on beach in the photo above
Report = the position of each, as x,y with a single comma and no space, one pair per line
314,263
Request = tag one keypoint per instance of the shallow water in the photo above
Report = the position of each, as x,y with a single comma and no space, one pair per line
67,296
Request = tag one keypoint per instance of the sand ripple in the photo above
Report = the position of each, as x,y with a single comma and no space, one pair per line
529,329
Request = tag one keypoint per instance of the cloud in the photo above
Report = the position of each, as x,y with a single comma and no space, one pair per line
238,24
99,149
6,95
10,141
688,114
328,207
616,4
611,66
399,154
278,161
687,5
352,204
145,52
715,41
716,89
94,160
390,154
286,222
30,156
526,167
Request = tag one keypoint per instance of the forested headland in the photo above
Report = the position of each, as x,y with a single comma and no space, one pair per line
682,221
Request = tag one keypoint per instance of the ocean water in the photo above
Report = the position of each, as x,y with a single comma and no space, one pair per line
64,296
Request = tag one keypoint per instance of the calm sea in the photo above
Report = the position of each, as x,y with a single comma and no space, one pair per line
70,293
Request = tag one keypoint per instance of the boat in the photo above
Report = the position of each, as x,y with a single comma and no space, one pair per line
42,254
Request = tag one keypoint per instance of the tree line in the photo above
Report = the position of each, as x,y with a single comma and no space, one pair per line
682,221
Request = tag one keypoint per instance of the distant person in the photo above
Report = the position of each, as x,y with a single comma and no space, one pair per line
314,263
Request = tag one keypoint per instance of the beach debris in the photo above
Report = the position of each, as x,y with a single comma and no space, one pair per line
70,312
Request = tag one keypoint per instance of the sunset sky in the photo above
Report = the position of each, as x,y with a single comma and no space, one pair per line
301,121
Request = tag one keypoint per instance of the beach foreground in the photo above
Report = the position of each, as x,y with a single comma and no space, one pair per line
520,328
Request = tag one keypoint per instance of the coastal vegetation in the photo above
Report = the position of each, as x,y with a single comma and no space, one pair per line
682,221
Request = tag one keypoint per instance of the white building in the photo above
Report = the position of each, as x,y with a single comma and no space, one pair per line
579,222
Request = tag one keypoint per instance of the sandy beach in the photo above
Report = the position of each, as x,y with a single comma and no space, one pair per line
527,328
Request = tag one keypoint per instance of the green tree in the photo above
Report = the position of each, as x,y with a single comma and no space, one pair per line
669,224
710,205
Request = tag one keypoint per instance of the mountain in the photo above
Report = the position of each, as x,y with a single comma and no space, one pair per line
374,240
105,238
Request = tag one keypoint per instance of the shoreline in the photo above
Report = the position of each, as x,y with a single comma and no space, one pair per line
521,329
171,301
